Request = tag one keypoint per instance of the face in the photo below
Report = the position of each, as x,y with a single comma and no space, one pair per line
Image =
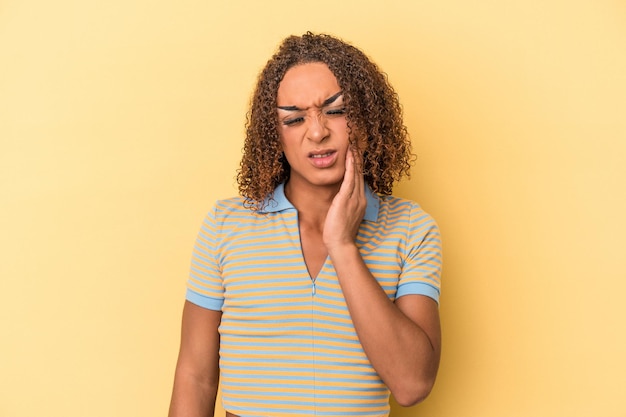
312,126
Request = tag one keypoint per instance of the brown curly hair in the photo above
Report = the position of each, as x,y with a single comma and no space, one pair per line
373,112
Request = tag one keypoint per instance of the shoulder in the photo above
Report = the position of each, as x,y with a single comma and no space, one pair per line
234,212
404,207
238,205
229,205
228,209
403,214
397,202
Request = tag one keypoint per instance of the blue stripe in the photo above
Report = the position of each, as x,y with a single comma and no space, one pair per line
371,392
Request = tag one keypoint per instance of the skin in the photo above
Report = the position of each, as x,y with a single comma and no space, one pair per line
402,339
197,372
320,130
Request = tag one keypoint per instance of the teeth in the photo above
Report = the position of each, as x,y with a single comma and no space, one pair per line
320,156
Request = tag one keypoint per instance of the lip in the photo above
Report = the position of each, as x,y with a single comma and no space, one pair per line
323,158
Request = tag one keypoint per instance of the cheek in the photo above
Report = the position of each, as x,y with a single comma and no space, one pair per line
287,146
287,135
339,127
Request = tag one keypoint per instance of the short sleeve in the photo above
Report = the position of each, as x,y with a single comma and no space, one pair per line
421,272
204,286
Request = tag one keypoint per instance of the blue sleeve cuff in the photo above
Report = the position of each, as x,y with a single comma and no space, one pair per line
418,288
210,303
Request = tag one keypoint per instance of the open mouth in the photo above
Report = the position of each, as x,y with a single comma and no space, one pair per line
323,158
321,155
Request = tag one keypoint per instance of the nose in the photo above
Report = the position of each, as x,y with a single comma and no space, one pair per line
316,128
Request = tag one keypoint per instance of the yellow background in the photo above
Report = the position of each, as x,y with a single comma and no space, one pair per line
122,121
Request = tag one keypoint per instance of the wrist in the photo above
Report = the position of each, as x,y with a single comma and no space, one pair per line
342,250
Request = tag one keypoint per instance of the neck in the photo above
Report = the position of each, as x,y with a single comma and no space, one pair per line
312,202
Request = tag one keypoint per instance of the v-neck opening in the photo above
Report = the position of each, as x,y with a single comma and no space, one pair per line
303,257
313,278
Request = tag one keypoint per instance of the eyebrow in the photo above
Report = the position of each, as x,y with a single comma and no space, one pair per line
326,102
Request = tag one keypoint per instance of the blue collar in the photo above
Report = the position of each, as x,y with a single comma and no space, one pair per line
278,202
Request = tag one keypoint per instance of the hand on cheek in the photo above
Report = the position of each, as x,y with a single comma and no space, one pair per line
348,207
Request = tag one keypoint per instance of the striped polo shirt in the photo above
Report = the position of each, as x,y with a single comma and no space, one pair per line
288,346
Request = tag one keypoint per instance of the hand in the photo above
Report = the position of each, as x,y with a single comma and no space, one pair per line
348,207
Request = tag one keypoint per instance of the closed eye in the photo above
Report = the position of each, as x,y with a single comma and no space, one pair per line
295,120
335,112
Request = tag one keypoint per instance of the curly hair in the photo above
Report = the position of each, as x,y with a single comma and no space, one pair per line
373,112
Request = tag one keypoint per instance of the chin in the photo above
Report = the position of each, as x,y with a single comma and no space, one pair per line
327,182
318,180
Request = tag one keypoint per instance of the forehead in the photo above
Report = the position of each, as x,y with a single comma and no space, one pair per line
307,85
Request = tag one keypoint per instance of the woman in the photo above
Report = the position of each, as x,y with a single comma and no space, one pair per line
315,292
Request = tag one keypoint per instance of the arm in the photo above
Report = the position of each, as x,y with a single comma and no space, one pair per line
197,371
403,339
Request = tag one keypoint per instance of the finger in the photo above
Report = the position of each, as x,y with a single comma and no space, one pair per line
349,177
358,172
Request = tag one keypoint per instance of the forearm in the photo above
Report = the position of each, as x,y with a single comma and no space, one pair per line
193,396
399,349
197,370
